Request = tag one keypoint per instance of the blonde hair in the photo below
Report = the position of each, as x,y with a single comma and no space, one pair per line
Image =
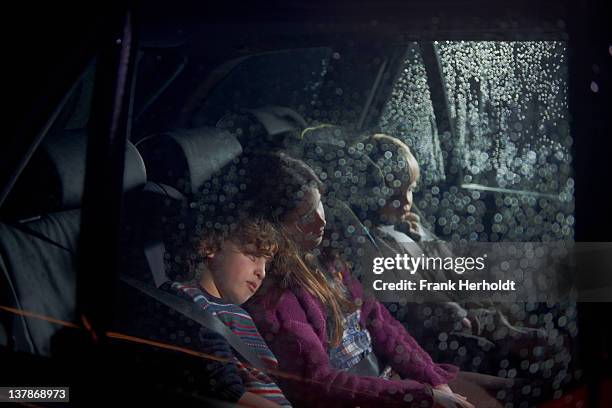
383,143
307,130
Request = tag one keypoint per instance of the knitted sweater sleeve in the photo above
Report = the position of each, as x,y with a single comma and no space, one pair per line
301,353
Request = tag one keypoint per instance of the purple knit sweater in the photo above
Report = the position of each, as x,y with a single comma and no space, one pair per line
295,329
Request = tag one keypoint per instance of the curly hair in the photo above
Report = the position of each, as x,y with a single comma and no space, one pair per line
253,236
254,233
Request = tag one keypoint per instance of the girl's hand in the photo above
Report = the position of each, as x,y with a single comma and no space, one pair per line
444,399
412,220
443,387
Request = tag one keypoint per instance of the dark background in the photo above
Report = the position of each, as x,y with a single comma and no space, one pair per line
47,45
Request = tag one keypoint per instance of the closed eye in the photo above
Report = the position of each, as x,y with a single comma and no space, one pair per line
310,215
256,257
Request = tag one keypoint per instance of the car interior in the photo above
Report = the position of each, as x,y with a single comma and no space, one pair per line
99,207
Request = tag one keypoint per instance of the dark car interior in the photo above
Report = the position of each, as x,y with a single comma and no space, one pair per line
135,125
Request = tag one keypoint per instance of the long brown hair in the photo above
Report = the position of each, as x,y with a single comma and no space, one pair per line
275,189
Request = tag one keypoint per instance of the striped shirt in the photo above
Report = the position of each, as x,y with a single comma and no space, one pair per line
241,323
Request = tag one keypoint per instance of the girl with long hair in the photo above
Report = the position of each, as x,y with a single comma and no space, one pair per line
344,346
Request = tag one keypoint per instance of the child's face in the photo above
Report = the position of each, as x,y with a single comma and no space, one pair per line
306,223
400,204
237,272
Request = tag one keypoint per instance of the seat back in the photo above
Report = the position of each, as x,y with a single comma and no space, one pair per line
180,164
39,240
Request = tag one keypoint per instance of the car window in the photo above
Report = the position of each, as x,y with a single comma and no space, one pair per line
501,170
290,78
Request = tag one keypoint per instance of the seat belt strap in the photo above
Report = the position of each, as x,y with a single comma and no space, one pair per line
205,319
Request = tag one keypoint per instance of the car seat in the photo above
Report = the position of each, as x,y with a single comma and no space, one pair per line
39,240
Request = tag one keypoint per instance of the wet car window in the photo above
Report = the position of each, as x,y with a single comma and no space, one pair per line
288,78
504,160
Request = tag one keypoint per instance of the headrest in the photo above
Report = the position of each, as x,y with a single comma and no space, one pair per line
54,178
185,159
278,119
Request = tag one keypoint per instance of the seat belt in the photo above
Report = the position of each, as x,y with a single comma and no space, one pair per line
188,309
206,319
154,253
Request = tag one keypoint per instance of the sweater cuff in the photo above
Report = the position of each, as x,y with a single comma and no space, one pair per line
442,374
418,399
